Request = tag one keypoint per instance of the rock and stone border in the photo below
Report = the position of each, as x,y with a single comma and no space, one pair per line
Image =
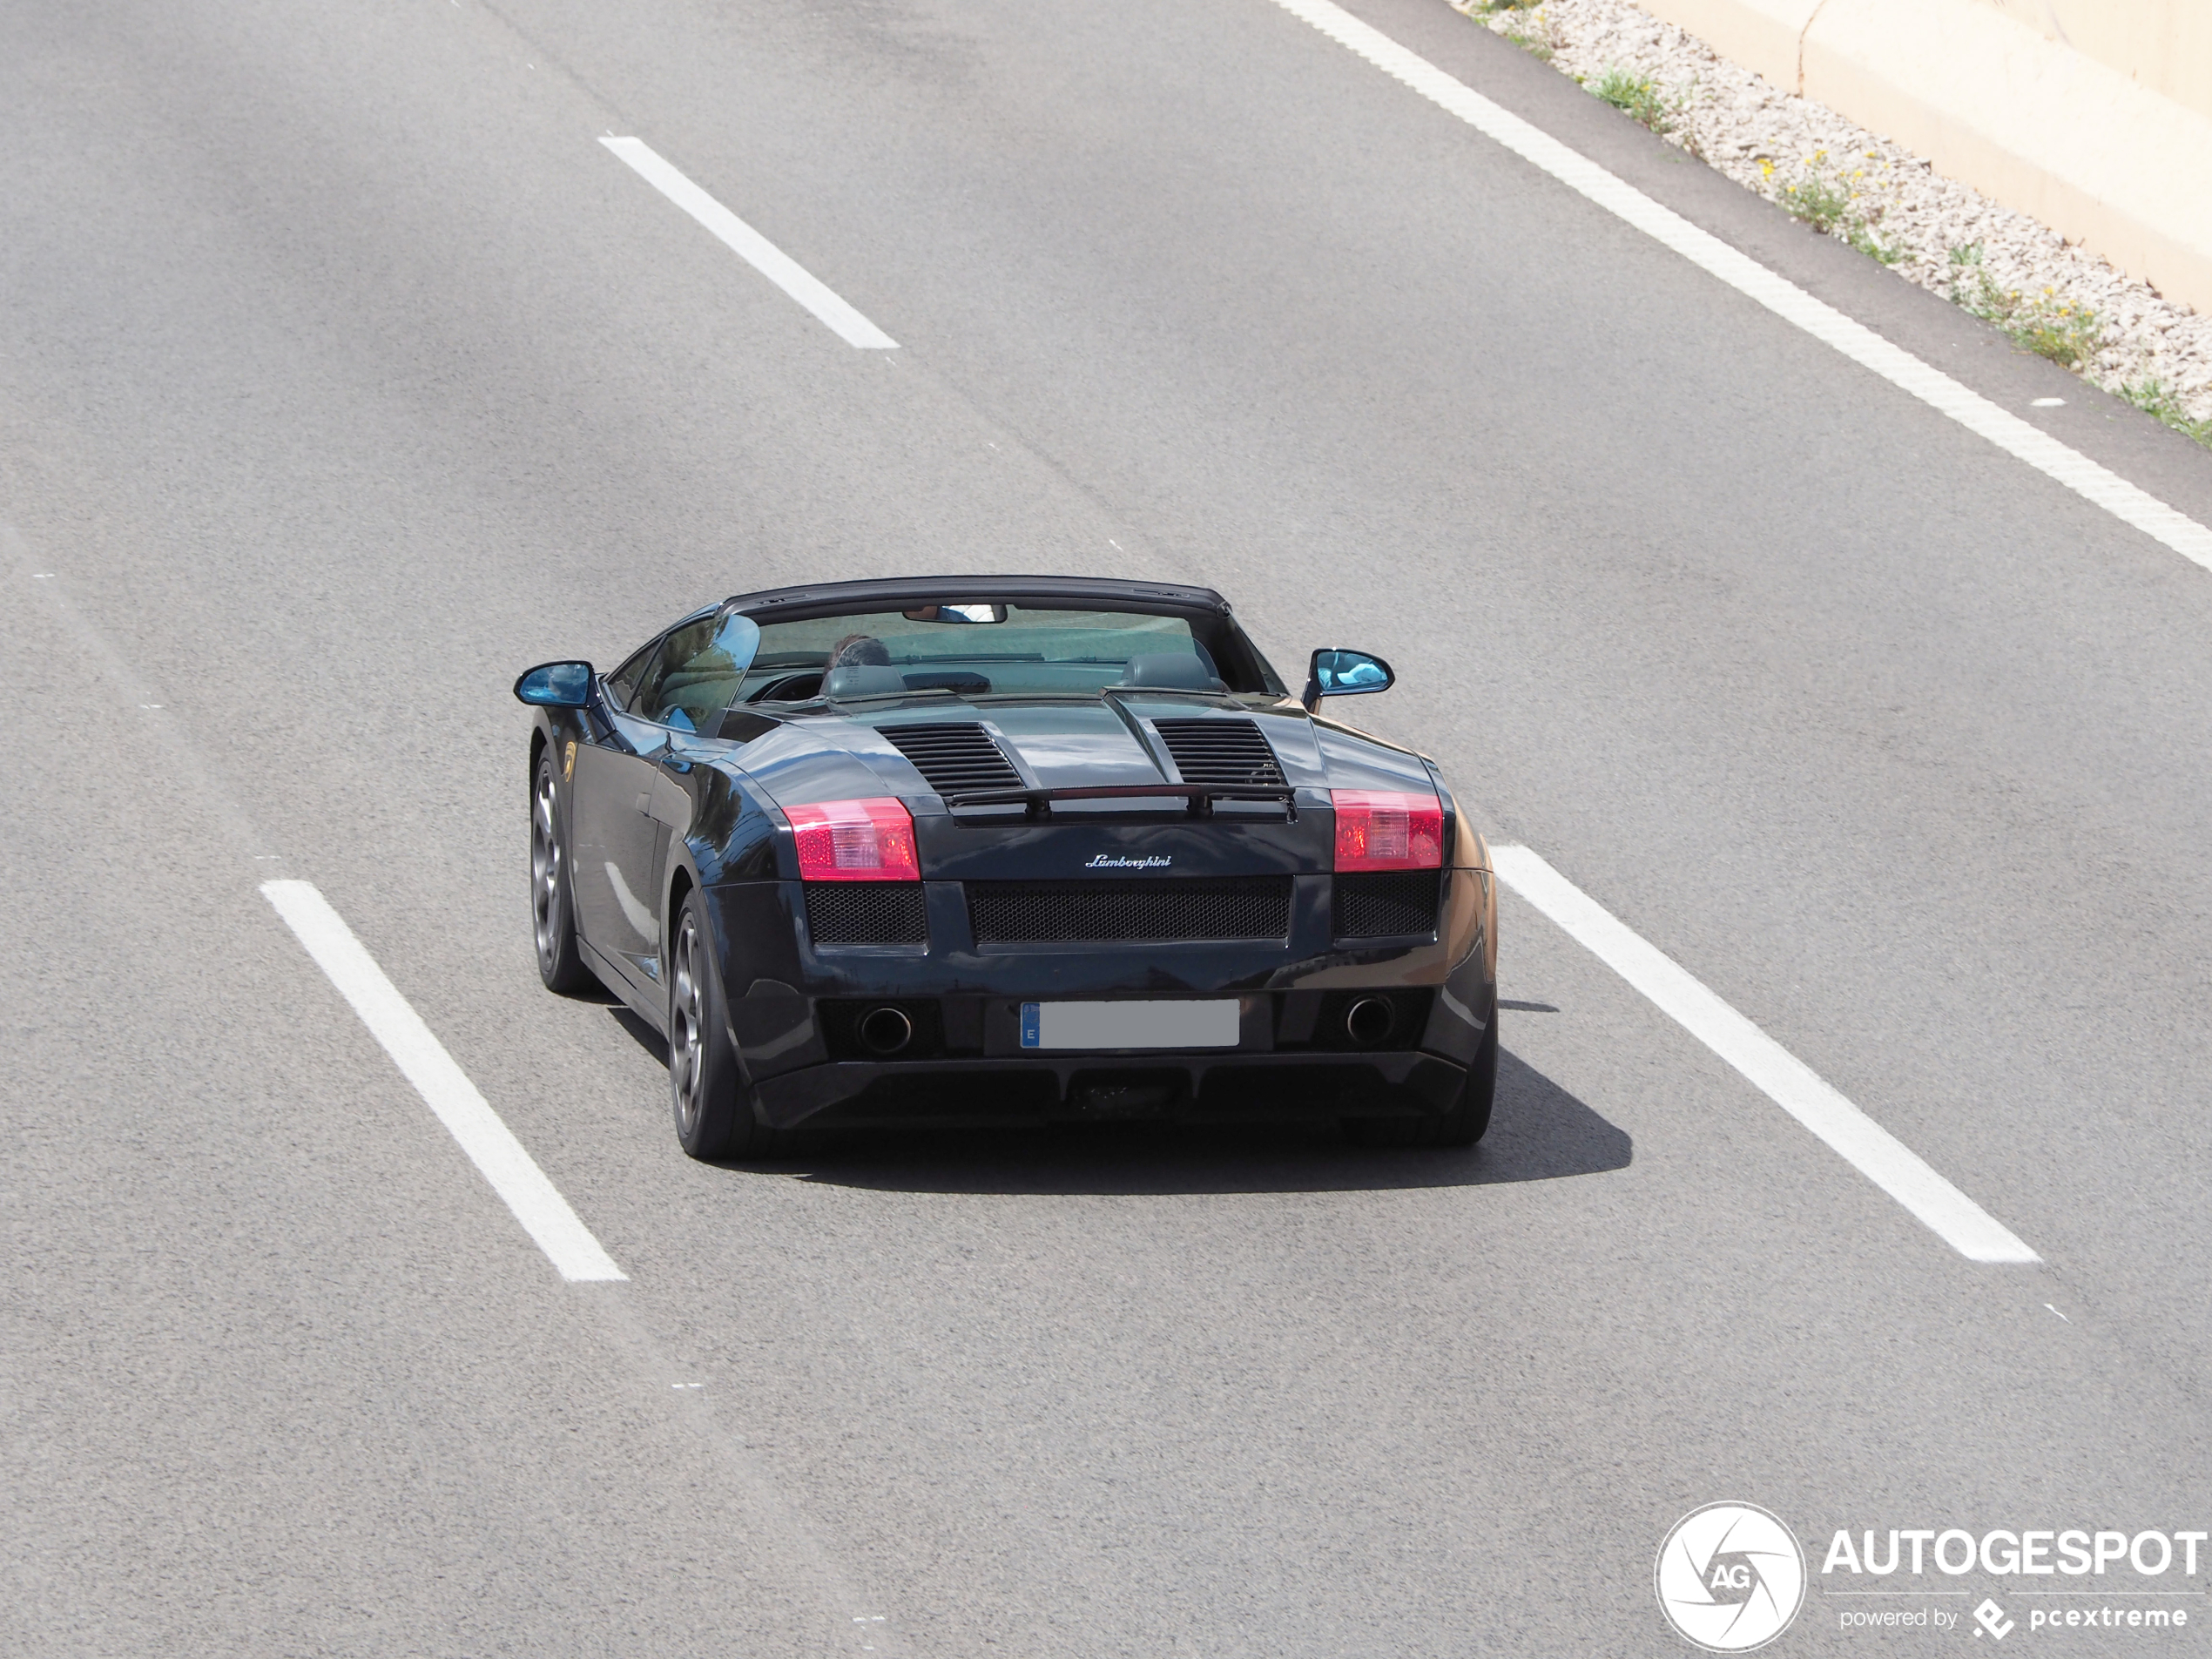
2054,298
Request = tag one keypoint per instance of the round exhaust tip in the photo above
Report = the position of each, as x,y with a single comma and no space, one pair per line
1368,1020
886,1031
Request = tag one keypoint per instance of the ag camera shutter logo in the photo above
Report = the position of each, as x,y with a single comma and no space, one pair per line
1731,1577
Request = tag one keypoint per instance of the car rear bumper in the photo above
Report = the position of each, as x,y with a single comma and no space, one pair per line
1209,1088
797,1013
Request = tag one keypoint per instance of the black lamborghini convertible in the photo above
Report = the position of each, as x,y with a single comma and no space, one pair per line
1005,849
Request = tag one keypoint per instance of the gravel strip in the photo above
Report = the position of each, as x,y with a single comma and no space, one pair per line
2054,298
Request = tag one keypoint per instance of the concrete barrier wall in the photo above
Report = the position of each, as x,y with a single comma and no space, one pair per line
2073,128
2164,44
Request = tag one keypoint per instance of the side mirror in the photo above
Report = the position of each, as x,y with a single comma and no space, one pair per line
555,685
1339,672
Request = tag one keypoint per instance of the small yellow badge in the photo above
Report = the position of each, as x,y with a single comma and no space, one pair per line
568,763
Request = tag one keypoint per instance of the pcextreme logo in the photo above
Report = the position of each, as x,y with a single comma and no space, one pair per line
1731,1577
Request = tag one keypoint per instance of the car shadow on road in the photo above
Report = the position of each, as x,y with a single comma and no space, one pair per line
1537,1132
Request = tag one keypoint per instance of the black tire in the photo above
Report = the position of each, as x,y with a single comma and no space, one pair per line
560,964
712,1106
1463,1125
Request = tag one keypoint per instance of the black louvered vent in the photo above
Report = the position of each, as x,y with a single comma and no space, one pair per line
867,912
1229,753
953,759
1386,905
1129,912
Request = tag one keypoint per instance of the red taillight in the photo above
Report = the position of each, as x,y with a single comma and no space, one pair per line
1379,829
855,841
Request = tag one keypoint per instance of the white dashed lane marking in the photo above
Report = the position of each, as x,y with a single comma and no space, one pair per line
445,1087
752,247
1783,1078
1747,276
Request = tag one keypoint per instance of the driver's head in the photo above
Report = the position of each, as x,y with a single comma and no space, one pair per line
860,651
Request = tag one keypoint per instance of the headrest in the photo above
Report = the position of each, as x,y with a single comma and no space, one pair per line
862,680
1178,671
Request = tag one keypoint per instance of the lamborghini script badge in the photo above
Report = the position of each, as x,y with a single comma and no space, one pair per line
1109,861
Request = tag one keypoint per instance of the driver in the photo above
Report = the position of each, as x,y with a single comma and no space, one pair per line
860,651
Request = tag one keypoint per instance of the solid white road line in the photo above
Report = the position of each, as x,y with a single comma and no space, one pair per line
1823,322
1786,1080
752,247
513,1173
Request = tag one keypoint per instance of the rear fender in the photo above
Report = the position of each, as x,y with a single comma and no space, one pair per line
731,834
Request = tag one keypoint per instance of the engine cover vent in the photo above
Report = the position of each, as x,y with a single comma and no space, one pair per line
1232,753
956,757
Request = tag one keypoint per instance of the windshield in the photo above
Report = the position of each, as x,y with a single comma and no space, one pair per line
978,650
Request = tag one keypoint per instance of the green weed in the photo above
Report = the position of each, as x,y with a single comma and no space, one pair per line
1824,200
1857,234
2067,336
1818,199
1541,38
1538,44
2065,333
2156,399
1639,97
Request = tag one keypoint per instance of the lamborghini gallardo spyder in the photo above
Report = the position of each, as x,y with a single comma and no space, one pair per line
978,850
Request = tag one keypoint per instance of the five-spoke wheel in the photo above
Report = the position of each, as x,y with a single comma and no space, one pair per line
552,901
713,1108
687,1067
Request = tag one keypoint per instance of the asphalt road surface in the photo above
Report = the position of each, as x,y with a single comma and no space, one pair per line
343,373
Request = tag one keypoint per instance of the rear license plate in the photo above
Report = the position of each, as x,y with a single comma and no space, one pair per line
1129,1025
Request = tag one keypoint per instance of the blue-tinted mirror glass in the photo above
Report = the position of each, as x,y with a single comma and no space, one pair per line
1343,673
555,685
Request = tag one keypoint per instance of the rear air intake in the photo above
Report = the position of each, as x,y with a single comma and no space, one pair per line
953,759
867,912
1230,753
1386,904
1130,912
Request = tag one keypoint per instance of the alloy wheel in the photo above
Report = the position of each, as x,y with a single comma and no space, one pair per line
687,1054
545,872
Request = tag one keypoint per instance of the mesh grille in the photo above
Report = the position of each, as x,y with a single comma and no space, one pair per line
1230,753
953,759
867,912
1386,904
1115,912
